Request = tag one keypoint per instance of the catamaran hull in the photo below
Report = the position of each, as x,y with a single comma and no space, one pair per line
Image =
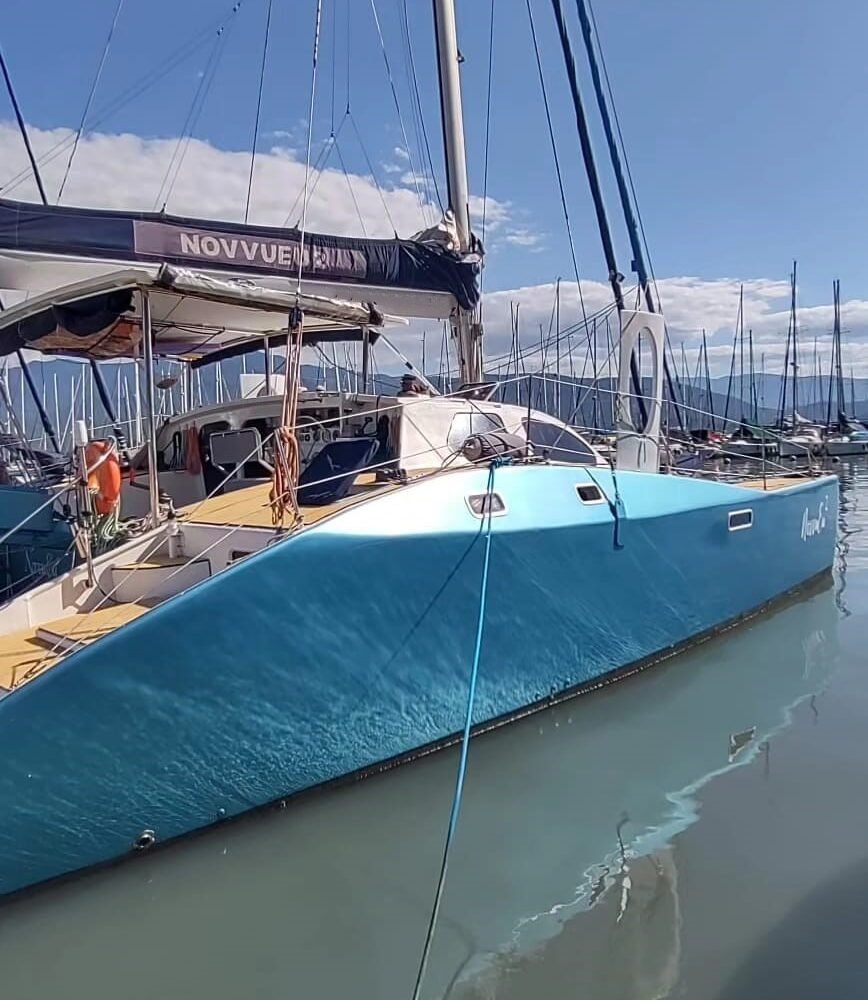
349,646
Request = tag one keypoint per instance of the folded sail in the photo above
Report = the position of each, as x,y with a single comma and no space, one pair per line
54,233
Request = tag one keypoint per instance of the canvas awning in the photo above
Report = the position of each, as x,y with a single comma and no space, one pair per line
193,316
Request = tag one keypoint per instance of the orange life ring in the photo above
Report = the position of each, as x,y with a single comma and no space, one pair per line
105,479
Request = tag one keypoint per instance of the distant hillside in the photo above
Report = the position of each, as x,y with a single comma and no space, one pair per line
62,383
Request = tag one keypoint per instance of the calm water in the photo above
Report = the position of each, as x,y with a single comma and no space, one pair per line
699,831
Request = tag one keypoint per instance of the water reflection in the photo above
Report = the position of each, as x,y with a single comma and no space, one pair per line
330,897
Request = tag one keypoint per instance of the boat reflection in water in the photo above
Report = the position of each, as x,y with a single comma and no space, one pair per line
338,887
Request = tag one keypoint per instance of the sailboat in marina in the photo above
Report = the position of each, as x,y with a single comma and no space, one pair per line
749,440
311,625
844,435
799,437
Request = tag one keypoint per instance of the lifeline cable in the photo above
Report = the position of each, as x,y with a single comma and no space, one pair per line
465,739
90,96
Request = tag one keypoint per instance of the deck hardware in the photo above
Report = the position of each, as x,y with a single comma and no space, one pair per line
481,504
146,839
590,494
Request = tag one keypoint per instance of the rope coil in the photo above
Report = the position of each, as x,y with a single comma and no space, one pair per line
287,465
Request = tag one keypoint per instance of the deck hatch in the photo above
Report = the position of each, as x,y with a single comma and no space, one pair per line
481,504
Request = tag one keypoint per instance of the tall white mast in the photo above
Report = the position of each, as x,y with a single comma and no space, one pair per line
466,332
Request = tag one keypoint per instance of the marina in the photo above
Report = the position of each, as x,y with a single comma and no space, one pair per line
690,779
348,593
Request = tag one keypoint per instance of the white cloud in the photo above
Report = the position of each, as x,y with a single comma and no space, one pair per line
524,238
126,172
689,304
497,214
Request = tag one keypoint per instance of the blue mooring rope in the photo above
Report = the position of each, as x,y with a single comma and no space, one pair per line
465,739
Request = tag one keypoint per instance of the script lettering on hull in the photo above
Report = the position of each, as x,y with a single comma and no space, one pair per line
814,523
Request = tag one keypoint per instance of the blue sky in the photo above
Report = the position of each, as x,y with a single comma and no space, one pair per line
743,119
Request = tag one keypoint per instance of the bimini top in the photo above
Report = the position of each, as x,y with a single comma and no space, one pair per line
62,241
194,316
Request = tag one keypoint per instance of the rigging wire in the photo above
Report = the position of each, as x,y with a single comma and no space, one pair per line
631,202
405,25
200,95
517,354
334,62
373,172
414,108
87,104
621,143
305,198
352,192
22,128
485,531
551,131
134,90
487,144
348,8
258,108
423,202
317,169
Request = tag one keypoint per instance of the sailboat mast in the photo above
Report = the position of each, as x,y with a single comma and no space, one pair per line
839,374
795,348
708,381
741,349
636,249
753,402
729,383
466,332
596,190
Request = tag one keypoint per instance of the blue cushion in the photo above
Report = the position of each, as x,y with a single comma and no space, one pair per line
334,469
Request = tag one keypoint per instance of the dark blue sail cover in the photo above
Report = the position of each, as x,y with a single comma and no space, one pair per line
151,236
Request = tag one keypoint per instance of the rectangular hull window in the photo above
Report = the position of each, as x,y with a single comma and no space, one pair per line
740,519
589,494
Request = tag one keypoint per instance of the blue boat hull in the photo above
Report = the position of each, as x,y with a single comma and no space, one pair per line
349,645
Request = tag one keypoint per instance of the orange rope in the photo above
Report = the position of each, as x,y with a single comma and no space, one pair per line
286,459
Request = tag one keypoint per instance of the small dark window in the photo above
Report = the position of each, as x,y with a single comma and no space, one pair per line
465,424
486,503
739,519
589,494
237,554
557,443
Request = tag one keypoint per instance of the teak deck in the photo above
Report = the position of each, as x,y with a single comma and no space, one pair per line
772,482
250,507
27,653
